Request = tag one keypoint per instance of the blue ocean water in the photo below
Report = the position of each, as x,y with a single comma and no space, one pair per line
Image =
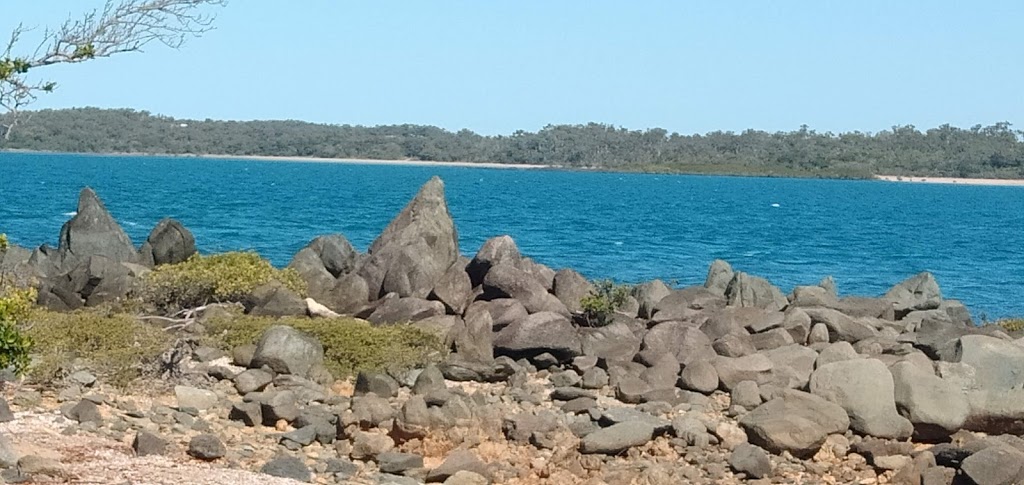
629,227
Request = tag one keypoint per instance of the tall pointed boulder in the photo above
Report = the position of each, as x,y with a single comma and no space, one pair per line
93,232
416,248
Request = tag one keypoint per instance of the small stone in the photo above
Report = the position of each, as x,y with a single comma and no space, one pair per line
730,434
699,376
206,447
631,389
252,380
751,460
191,397
285,466
377,383
85,412
249,413
746,394
398,463
5,411
368,445
594,378
303,436
147,443
429,380
466,477
617,438
82,378
460,460
37,465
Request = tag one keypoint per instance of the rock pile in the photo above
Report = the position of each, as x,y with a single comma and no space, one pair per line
728,381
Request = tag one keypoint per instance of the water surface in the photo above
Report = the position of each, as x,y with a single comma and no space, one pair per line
630,227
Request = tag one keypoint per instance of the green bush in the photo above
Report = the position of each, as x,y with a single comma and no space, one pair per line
15,346
350,345
599,306
3,242
115,346
227,277
1012,324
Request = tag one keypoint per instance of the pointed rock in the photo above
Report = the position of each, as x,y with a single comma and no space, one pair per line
93,231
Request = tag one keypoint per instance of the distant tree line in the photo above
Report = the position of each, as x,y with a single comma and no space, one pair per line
981,151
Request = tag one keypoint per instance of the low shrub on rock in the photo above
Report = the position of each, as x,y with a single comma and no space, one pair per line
227,277
1012,324
3,242
599,306
117,347
350,345
15,345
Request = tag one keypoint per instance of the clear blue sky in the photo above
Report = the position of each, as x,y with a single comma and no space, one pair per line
498,66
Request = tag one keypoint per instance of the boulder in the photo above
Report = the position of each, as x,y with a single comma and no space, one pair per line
813,296
734,345
865,389
454,288
350,295
147,443
699,376
96,280
720,273
792,365
456,462
615,341
448,328
750,460
685,342
539,333
404,310
736,320
273,299
507,281
752,291
934,406
285,466
495,251
771,339
311,269
732,371
840,326
995,465
648,295
543,274
998,364
415,249
796,422
193,398
206,447
686,304
570,287
617,438
287,351
476,342
168,243
503,311
94,232
919,292
335,253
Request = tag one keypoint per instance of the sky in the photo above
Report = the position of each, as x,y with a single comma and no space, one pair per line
496,66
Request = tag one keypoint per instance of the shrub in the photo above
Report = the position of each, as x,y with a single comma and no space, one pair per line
115,346
350,345
3,242
603,300
1012,324
15,346
227,277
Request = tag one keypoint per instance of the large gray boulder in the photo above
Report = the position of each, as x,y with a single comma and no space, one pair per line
539,333
865,389
310,268
735,321
570,288
350,295
752,291
615,341
934,406
287,351
495,251
617,438
476,341
792,365
995,465
840,326
405,310
415,249
720,273
168,243
795,421
687,304
335,252
685,342
454,288
94,232
504,311
919,292
507,281
95,280
998,364
648,295
733,370
273,299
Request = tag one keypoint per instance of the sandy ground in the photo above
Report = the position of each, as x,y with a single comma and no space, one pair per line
951,180
372,162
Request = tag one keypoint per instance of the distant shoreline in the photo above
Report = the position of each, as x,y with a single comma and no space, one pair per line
951,180
525,166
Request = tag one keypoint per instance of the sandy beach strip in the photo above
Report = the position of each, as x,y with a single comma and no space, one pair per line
360,161
950,180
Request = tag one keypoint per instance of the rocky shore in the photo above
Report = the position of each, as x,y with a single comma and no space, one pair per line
732,381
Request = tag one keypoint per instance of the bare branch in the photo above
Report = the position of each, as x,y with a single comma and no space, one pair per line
121,26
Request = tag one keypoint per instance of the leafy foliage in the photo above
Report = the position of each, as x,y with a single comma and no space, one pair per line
1012,324
3,242
115,346
603,300
15,345
990,151
350,345
227,277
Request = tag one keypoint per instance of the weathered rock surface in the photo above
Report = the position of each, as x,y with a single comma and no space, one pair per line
796,421
865,389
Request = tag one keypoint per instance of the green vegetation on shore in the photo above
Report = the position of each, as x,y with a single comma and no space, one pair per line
995,151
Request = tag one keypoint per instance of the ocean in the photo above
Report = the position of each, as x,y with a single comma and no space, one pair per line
868,235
